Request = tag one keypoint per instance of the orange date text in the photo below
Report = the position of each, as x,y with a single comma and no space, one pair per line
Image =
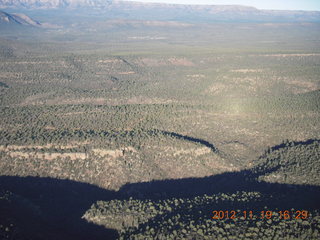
264,214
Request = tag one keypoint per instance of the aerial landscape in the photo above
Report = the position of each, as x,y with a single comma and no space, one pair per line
136,120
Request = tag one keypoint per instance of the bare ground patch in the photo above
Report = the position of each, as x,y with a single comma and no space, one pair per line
126,73
217,88
47,156
302,86
181,62
59,101
47,146
109,61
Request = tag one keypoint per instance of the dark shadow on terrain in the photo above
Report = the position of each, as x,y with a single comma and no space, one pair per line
190,139
295,143
269,196
133,67
287,195
53,208
3,85
58,205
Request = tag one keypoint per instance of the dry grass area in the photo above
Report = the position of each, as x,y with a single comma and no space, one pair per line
47,156
97,101
113,153
193,151
146,100
126,73
180,62
290,55
109,61
16,151
47,146
36,99
196,75
173,61
29,62
217,88
10,75
300,86
254,81
247,70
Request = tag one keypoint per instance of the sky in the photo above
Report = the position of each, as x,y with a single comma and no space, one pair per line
261,4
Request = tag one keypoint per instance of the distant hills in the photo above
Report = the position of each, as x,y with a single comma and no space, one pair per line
45,4
172,12
18,18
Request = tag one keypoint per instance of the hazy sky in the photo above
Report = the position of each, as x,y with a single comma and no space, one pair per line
262,4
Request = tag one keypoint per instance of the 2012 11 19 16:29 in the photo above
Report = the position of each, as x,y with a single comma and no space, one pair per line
263,214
